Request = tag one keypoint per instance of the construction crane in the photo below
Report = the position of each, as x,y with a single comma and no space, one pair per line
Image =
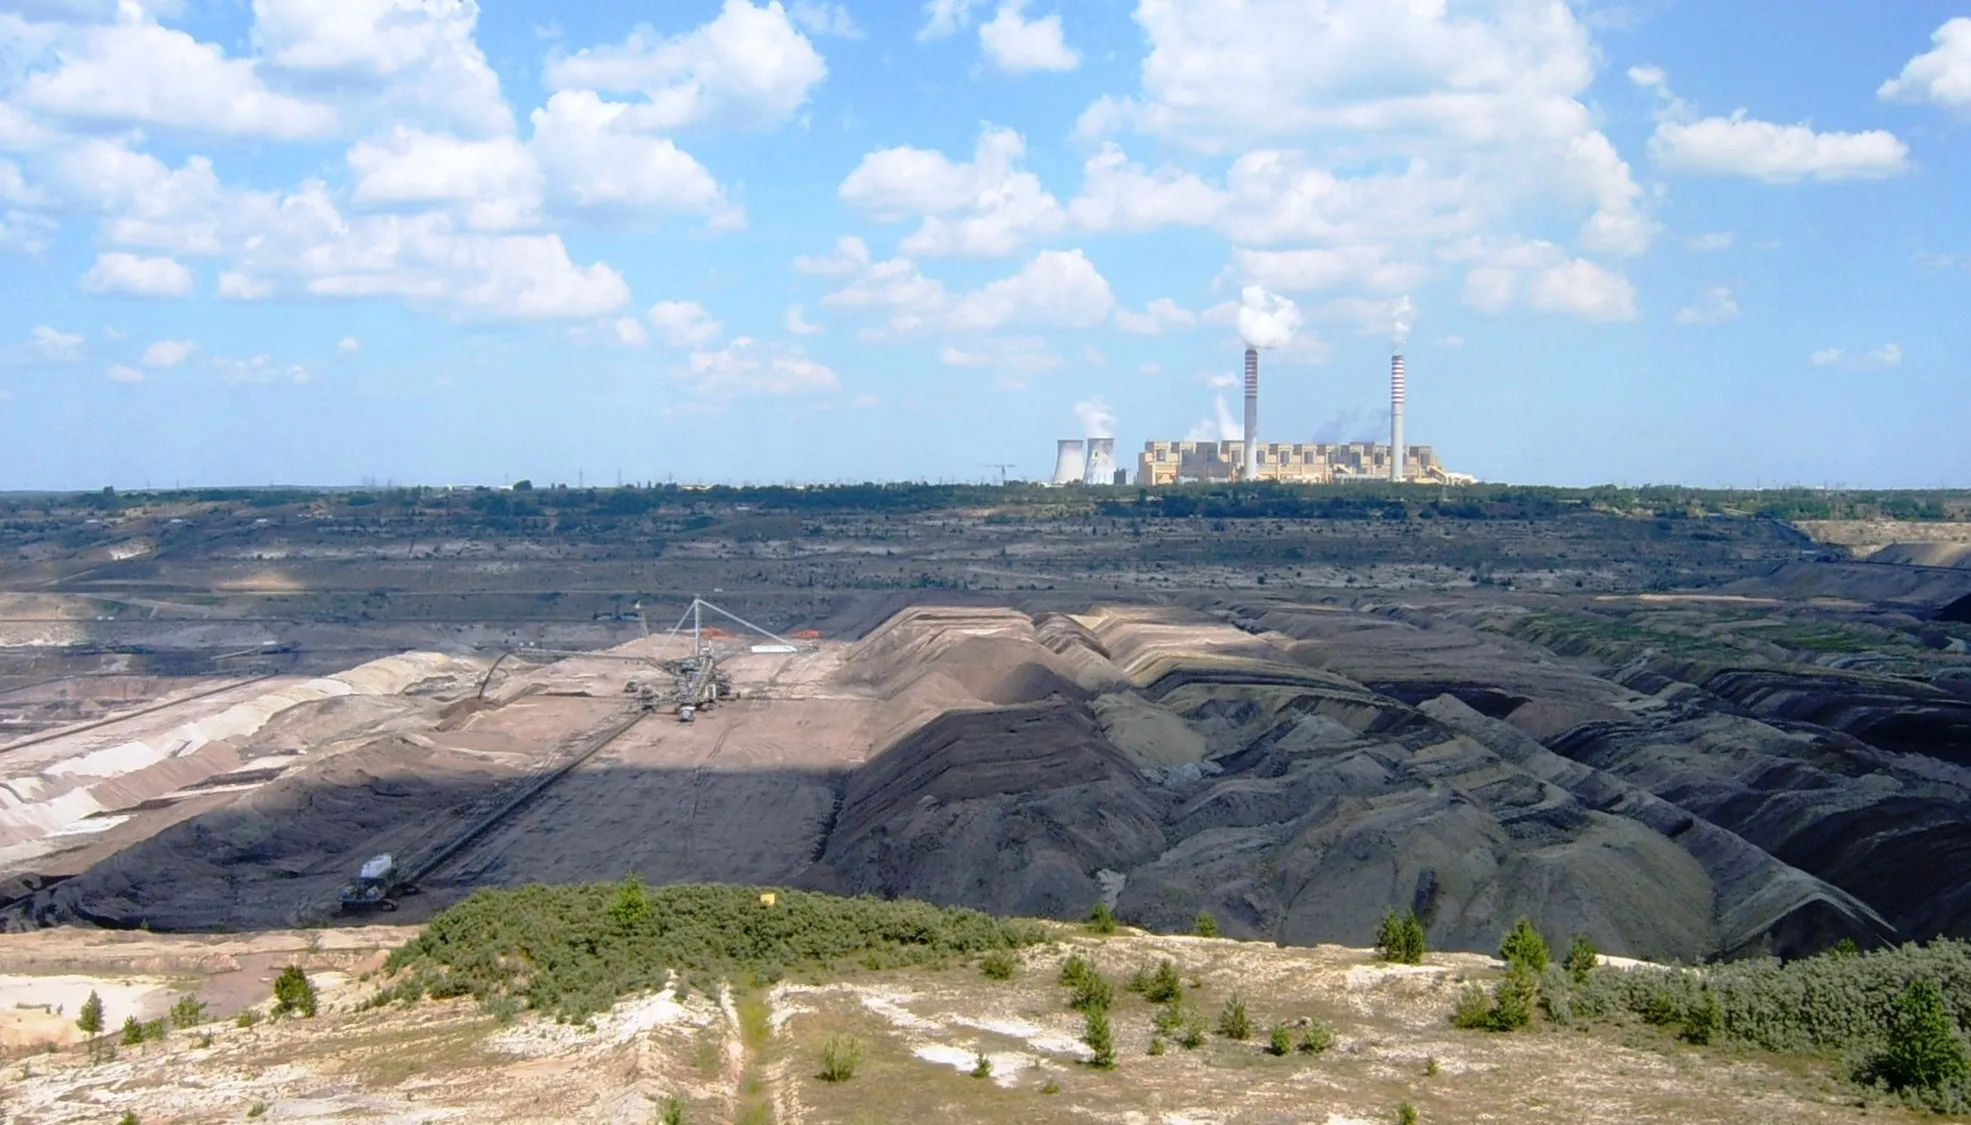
1002,466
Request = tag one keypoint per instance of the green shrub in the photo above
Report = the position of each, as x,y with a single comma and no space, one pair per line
1233,1023
1557,994
569,954
1204,925
1158,986
631,905
505,1009
1102,920
294,994
1280,1041
1430,1067
256,1110
1193,1035
1318,1039
90,1018
1100,1039
1582,957
981,1066
1156,1045
998,964
133,1032
840,1057
1702,1019
1075,969
188,1011
1406,1114
1473,1010
1400,939
1523,948
1922,1051
1170,1016
670,1111
247,1017
1091,991
1050,1087
129,1118
1512,1002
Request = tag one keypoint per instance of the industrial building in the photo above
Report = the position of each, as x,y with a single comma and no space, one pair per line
1176,462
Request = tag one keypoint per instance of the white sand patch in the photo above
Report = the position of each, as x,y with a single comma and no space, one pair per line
1006,1065
1044,1040
1192,1117
889,1005
621,1024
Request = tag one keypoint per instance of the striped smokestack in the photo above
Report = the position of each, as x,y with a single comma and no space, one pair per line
1396,451
1252,414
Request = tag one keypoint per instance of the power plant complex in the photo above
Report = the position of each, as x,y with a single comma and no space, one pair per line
1092,460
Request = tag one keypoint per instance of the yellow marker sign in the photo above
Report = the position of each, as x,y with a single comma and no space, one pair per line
766,899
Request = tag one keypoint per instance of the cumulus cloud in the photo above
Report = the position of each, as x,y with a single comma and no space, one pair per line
1119,195
1540,276
944,18
1018,45
1888,355
988,207
1713,241
796,322
258,369
1059,288
1585,290
598,157
1940,77
684,324
745,367
135,276
1299,271
348,345
494,183
54,344
822,18
1157,317
133,71
1266,320
122,373
750,66
168,353
1743,146
1718,306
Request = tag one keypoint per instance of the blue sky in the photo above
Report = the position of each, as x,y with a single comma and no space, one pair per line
331,241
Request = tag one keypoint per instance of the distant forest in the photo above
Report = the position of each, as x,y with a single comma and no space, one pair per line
1365,500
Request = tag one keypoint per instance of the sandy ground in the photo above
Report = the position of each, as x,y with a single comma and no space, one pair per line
922,1032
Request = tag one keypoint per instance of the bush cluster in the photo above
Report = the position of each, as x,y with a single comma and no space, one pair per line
1158,986
572,951
1401,938
1088,989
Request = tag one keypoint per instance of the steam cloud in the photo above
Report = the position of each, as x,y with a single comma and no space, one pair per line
1400,318
1097,420
1266,320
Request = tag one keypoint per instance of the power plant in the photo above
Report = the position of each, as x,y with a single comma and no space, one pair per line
1397,470
1252,414
1101,460
1070,465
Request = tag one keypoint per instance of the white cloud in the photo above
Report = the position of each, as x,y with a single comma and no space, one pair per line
25,233
745,367
597,157
1777,154
1585,290
1017,355
628,332
1718,306
168,353
1018,45
1941,76
393,60
819,17
54,344
136,276
684,324
1119,195
986,208
797,324
1888,355
1297,271
348,345
495,183
1097,419
1712,242
1157,317
749,66
136,72
1266,320
945,17
237,286
1058,288
124,374
1149,368
258,369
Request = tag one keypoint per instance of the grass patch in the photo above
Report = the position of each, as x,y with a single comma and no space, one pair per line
573,951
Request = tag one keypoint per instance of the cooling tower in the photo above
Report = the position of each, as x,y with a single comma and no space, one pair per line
1101,460
1396,450
1069,466
1252,414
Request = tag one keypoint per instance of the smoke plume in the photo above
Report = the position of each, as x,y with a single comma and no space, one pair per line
1097,420
1266,320
1400,318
